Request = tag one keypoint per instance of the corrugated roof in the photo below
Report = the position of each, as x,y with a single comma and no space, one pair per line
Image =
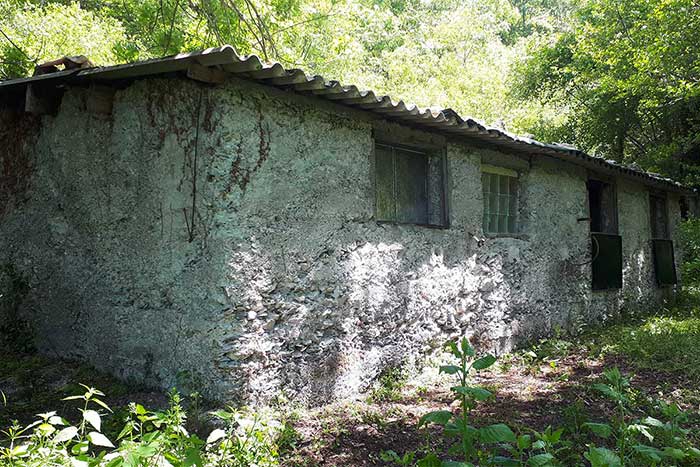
251,67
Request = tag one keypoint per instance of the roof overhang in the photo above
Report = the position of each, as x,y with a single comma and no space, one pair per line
252,68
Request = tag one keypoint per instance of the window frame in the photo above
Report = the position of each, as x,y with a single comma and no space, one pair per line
616,215
603,233
660,242
501,172
429,152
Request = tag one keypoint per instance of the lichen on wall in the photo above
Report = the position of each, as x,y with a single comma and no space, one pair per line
224,238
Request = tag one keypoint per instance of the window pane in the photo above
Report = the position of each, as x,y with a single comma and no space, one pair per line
502,223
411,187
500,198
385,183
493,223
504,204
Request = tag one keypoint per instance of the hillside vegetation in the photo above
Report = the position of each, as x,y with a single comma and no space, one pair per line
618,79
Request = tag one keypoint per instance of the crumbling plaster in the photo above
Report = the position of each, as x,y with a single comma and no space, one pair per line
222,238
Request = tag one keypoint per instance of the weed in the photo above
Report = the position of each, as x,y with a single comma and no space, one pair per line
637,443
662,343
146,438
390,385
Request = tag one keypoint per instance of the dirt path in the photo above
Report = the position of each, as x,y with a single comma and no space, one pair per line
534,396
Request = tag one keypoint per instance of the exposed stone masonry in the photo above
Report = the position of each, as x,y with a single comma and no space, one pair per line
223,238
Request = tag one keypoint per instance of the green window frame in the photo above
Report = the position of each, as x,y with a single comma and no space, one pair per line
500,190
606,243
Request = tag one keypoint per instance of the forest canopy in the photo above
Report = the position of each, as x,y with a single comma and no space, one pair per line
616,79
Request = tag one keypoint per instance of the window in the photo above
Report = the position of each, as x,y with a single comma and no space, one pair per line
659,217
409,186
661,244
602,203
500,187
606,244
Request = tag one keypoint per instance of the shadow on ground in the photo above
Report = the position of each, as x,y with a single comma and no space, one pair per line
527,397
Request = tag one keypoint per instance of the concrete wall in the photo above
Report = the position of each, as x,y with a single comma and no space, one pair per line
223,239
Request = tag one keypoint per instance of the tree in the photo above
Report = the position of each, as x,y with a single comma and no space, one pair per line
628,79
35,34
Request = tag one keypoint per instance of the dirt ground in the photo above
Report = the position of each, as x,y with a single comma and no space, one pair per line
530,395
526,397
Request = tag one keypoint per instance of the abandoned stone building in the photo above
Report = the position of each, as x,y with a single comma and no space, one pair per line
209,220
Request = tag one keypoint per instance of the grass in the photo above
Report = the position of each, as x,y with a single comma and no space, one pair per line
668,341
667,344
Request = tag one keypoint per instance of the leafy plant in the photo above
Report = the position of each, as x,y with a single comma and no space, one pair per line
390,384
457,425
148,438
633,442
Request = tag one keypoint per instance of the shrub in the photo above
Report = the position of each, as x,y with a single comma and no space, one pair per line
690,246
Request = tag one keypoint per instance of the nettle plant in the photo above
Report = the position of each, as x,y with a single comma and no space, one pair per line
147,439
471,442
648,441
52,440
493,445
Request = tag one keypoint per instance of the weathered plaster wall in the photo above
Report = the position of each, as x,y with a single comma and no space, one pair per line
223,238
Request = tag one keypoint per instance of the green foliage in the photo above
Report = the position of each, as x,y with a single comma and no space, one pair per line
640,442
618,79
669,344
390,384
626,75
633,435
49,31
443,53
146,438
494,444
690,247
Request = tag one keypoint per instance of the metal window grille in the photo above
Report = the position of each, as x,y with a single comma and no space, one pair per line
409,186
500,203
